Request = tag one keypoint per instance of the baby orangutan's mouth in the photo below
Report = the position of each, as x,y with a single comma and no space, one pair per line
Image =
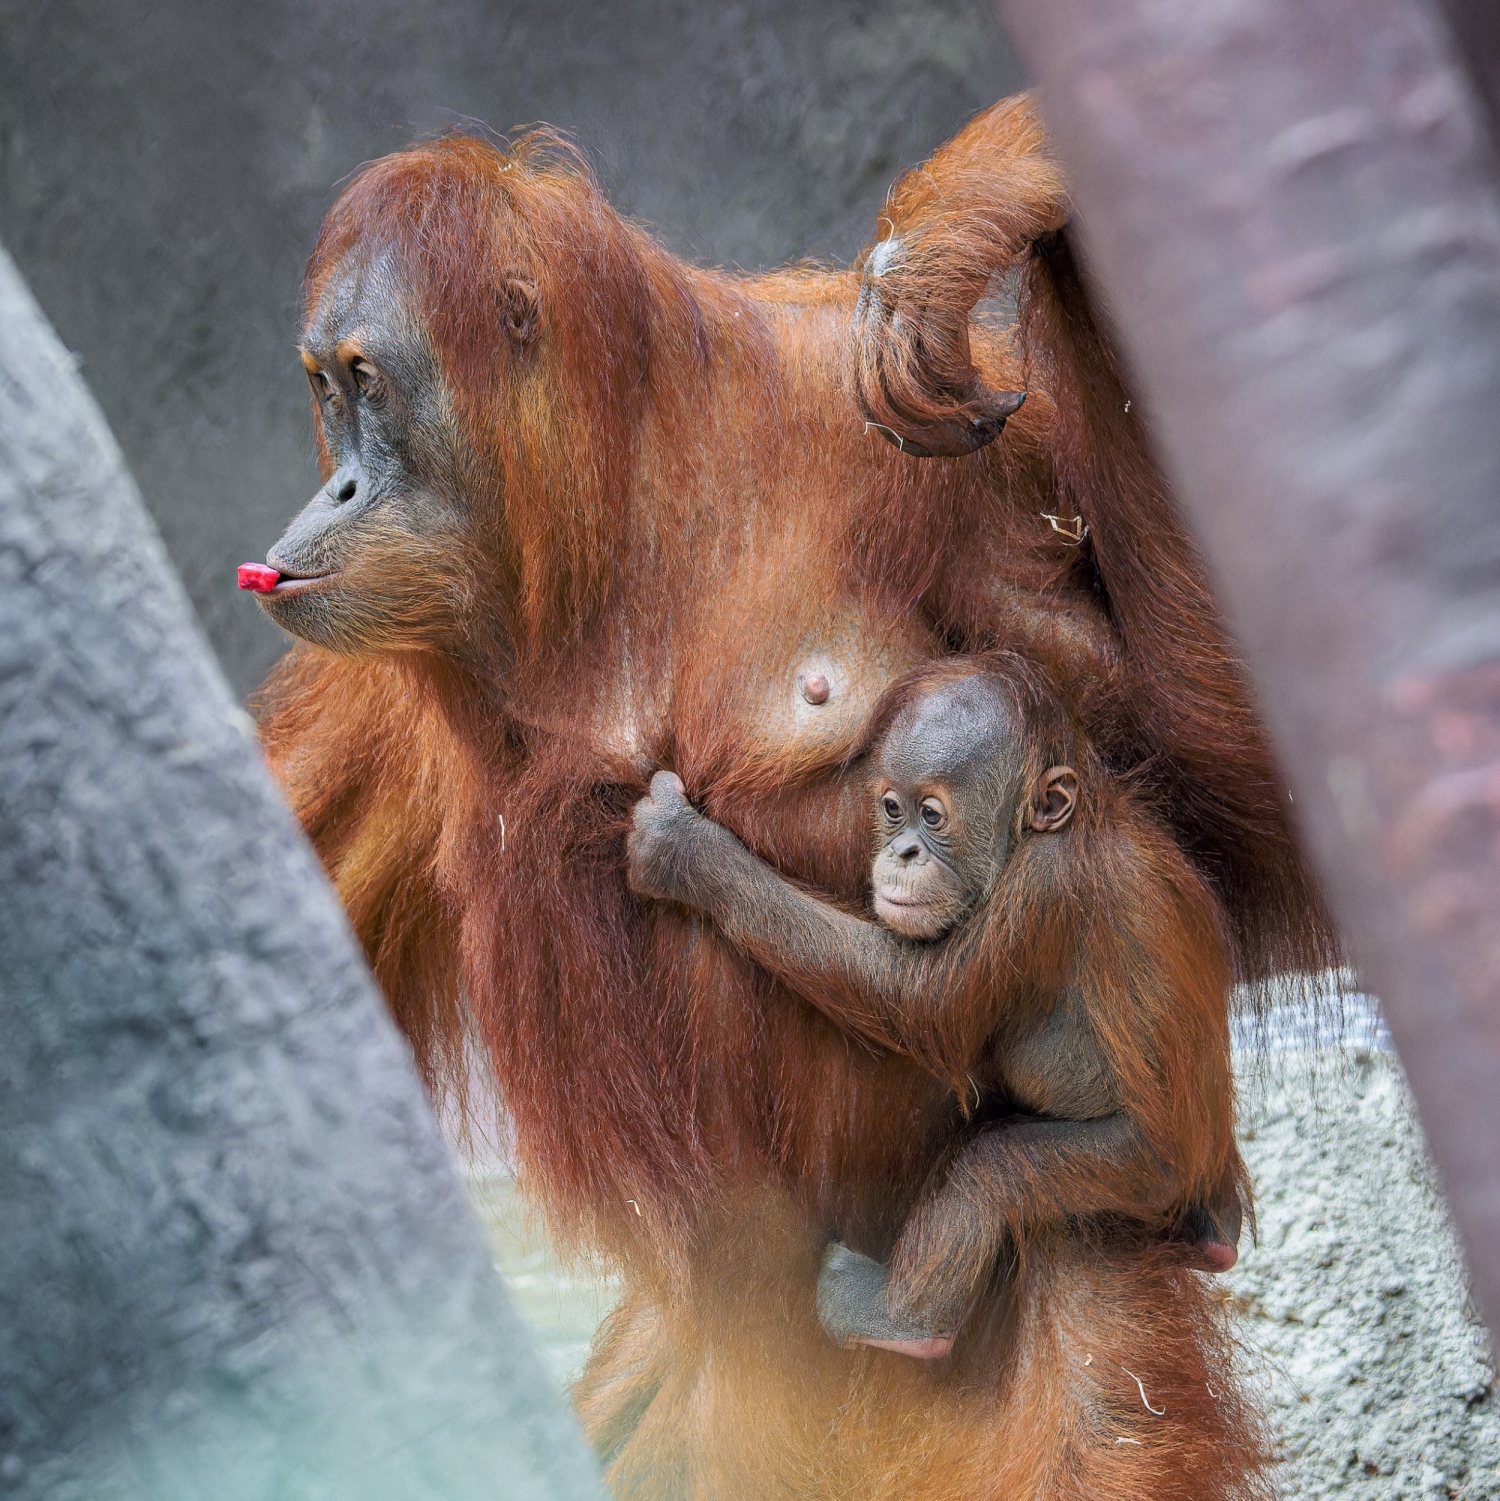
912,919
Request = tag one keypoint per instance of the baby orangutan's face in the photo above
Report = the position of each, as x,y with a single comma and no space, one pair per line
920,890
950,800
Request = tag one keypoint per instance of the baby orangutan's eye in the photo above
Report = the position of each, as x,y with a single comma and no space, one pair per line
891,808
934,815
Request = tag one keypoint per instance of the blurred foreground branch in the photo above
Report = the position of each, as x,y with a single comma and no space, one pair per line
1290,207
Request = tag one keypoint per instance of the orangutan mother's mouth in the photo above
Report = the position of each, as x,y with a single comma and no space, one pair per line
289,584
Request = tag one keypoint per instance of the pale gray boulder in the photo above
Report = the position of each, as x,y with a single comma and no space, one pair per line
235,1259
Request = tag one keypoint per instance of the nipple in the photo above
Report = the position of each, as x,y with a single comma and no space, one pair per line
815,688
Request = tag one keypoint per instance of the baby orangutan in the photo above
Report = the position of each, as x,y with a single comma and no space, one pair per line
1041,945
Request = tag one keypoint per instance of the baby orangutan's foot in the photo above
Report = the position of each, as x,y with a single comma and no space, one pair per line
853,1306
1215,1233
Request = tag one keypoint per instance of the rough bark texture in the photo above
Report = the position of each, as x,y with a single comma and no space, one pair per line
1291,206
235,1258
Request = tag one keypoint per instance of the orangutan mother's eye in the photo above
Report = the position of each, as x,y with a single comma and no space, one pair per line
366,379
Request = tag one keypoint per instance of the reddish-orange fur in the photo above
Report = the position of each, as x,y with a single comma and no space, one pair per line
675,503
1081,1004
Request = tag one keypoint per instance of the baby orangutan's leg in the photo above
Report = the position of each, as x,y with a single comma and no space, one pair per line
1008,1180
853,1308
854,1302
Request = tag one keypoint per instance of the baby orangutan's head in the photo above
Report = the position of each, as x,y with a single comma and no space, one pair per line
954,789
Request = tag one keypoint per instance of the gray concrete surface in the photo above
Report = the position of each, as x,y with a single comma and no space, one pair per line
164,165
235,1259
1377,1379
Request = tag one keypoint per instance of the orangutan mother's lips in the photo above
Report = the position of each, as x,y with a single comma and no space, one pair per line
295,584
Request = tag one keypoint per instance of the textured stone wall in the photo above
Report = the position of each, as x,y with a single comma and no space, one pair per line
1377,1379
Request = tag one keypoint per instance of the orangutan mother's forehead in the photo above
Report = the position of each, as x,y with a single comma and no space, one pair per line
950,728
366,298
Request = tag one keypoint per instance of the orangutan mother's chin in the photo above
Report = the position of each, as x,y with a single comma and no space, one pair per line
389,592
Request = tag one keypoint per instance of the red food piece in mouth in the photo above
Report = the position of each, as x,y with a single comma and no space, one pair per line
258,578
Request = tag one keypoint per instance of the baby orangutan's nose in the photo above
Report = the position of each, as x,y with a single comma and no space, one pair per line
906,848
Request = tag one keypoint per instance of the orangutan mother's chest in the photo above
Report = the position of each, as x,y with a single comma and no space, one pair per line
777,694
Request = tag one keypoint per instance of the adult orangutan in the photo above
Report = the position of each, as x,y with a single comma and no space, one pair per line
589,512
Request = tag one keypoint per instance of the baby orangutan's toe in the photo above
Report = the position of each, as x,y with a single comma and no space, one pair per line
943,1261
854,1307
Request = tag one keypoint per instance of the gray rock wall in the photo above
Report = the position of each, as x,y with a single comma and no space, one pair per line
1378,1381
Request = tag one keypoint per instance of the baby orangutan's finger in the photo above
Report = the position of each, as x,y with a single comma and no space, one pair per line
667,787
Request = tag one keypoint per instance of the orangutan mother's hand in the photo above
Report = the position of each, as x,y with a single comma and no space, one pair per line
666,830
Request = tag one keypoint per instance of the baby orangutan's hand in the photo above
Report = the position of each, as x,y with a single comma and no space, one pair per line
663,834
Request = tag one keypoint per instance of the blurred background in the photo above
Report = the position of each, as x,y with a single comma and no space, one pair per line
164,168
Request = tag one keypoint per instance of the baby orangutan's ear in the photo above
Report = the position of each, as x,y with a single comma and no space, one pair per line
1053,799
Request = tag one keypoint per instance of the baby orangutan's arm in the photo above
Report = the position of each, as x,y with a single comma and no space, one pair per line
883,989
